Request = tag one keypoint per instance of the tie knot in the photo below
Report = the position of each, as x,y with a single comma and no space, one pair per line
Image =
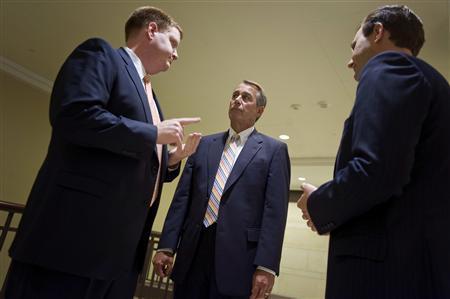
235,139
146,79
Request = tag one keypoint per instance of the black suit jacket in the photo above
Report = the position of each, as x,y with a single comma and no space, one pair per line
388,206
252,215
88,212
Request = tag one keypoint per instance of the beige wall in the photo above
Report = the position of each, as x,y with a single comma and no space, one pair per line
303,263
24,137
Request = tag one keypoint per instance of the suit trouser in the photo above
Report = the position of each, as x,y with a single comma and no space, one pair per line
200,282
26,281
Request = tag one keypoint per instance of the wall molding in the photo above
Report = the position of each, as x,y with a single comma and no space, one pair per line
25,75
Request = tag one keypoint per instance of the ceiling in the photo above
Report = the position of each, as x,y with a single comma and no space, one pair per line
298,51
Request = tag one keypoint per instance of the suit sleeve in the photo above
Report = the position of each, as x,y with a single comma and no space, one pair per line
270,242
392,101
178,209
79,107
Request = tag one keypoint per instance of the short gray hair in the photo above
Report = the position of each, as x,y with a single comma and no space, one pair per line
261,99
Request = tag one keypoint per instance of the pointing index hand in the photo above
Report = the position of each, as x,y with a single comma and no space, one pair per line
188,120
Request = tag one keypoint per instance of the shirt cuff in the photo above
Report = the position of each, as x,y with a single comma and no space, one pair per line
266,270
174,167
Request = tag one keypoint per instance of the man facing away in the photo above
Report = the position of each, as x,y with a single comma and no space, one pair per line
388,207
89,215
227,218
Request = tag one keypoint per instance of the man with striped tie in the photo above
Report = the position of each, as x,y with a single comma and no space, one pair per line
227,218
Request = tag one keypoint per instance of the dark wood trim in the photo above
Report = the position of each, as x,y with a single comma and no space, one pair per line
11,207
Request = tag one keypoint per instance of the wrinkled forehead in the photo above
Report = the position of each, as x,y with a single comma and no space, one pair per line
243,87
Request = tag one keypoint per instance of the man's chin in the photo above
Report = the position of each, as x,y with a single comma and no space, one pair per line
233,113
165,68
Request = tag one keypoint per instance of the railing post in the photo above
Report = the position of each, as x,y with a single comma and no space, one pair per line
5,229
11,209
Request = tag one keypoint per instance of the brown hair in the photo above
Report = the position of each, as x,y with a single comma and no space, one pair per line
142,16
404,26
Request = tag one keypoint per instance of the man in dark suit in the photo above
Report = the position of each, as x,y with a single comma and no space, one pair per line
227,219
89,215
388,207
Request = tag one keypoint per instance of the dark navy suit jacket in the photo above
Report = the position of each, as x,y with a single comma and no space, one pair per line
388,206
252,215
88,212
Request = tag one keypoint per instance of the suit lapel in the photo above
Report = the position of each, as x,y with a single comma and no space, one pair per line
214,154
251,147
131,69
161,116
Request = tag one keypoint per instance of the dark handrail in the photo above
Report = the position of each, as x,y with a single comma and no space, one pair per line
11,207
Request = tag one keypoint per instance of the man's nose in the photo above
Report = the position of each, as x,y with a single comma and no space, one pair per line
350,63
175,55
238,99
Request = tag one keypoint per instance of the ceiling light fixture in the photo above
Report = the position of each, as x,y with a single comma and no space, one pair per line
284,137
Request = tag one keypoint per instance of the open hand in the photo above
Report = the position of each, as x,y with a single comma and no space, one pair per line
182,151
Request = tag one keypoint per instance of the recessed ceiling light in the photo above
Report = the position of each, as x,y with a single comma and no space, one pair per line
284,137
301,179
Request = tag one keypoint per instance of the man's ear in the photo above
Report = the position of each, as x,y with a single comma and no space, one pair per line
260,110
152,28
378,30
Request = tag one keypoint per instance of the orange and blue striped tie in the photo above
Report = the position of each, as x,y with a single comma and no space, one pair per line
225,166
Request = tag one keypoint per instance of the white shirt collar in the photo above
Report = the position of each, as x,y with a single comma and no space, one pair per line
243,135
137,62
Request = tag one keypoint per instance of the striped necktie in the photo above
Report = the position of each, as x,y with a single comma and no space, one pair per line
226,165
156,120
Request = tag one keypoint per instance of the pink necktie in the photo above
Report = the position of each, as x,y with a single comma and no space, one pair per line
226,165
156,120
